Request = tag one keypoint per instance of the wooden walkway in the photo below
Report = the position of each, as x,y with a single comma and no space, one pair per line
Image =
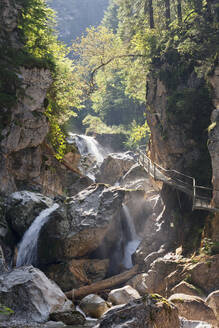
201,196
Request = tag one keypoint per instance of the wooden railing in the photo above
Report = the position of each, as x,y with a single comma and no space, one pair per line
202,196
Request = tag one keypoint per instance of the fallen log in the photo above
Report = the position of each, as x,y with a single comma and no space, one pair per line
103,284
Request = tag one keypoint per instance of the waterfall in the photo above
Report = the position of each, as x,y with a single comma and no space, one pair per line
133,239
88,145
27,251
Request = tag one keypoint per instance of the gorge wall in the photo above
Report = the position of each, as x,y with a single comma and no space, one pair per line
179,116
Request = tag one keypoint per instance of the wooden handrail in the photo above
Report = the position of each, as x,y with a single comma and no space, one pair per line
157,172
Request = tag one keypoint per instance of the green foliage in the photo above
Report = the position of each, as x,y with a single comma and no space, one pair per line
138,135
4,310
96,126
110,19
209,247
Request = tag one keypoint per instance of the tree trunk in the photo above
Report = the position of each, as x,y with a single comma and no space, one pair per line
167,13
150,11
103,284
179,11
209,13
198,6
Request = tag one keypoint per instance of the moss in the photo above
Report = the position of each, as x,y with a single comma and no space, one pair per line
160,299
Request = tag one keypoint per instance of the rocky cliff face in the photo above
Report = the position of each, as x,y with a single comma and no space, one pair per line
25,161
23,124
179,116
213,147
26,130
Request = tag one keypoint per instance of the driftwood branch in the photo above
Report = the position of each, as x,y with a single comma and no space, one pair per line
103,284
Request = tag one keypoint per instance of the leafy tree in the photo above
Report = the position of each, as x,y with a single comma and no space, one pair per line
110,19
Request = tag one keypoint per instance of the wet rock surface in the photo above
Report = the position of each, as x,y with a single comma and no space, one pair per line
31,295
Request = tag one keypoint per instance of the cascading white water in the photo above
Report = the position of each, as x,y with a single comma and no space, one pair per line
134,241
27,251
88,145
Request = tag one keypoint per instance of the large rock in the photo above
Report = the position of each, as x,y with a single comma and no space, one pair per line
137,178
31,295
205,274
185,288
148,312
76,273
94,306
89,220
123,295
213,302
23,207
164,273
114,167
193,308
138,283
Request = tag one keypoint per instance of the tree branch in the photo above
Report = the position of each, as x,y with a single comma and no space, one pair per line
106,63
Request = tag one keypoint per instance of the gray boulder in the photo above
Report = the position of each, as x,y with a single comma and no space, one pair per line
31,295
